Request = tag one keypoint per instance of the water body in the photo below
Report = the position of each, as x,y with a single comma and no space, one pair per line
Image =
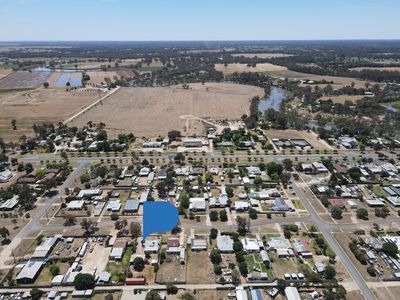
274,100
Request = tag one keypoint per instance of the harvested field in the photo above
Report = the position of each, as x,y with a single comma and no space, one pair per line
155,111
262,55
343,98
30,107
310,137
259,68
24,79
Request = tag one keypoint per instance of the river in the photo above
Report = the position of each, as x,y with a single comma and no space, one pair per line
274,100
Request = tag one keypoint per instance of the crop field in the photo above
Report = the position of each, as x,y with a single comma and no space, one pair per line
24,79
155,111
310,137
30,107
60,79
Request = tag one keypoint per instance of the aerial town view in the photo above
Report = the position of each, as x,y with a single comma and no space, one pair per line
243,150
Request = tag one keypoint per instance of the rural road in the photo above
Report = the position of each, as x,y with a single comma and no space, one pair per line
326,232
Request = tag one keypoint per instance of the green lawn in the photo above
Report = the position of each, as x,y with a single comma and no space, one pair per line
118,269
379,192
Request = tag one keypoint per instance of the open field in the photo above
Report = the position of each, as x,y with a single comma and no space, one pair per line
24,79
282,72
298,134
262,55
200,262
343,98
30,107
100,77
96,65
393,69
60,79
259,68
4,72
155,111
388,293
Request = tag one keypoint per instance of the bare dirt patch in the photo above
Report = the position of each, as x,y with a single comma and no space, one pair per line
32,107
155,111
24,79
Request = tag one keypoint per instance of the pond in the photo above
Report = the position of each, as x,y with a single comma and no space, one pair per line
274,100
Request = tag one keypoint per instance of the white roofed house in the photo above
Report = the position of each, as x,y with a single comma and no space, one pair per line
10,204
118,250
151,246
197,204
225,243
253,171
250,244
198,244
144,172
319,168
241,205
5,176
30,271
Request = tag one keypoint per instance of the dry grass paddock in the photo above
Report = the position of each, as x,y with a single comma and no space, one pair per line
32,107
155,111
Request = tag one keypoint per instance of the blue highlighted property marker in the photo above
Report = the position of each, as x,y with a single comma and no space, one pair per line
159,217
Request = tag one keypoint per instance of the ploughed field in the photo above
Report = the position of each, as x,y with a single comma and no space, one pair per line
155,111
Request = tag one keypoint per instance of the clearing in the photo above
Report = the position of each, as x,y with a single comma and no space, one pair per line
155,111
343,98
259,68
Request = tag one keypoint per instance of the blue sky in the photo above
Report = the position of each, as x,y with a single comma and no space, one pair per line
198,19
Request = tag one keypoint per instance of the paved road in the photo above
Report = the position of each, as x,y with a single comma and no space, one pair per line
326,232
33,225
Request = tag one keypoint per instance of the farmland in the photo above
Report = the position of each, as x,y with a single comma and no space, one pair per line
23,79
100,77
262,55
30,107
155,111
264,67
343,98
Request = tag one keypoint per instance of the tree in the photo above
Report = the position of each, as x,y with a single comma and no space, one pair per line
252,213
135,229
153,295
330,272
171,289
14,124
237,246
390,249
214,215
36,293
173,135
215,256
88,226
54,270
242,225
138,264
4,233
243,268
69,220
281,285
187,296
336,212
84,281
213,233
46,85
362,213
223,216
287,163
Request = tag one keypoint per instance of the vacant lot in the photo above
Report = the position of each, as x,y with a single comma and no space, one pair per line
310,137
259,68
155,111
24,79
200,262
171,271
32,107
262,55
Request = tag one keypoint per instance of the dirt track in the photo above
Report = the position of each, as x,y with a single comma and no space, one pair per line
155,111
